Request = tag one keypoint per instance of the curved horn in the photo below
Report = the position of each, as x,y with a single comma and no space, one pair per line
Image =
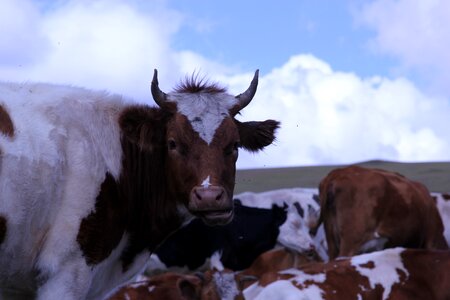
159,96
247,96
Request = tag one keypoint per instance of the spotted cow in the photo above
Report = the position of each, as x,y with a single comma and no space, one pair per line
366,209
167,286
91,183
302,216
391,274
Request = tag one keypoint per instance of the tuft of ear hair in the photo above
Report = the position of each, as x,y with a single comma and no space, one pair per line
257,135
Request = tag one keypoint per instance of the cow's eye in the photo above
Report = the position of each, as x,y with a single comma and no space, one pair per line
171,144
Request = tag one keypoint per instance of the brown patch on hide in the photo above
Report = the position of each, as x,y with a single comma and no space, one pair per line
6,124
100,232
368,265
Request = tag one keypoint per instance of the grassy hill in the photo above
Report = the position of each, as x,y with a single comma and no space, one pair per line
436,175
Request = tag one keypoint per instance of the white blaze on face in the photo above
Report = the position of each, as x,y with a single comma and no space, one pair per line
204,111
206,183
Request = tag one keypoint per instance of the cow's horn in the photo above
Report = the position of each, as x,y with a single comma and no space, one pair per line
159,96
247,96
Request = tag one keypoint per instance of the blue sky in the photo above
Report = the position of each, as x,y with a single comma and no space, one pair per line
266,33
350,80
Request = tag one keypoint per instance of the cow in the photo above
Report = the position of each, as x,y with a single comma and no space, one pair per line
91,183
303,214
217,283
167,286
394,274
251,232
391,274
366,209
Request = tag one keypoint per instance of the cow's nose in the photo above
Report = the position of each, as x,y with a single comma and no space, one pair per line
209,194
212,204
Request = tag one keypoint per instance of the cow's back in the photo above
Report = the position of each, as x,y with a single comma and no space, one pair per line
360,205
49,134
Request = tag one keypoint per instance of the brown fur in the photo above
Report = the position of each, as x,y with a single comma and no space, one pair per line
101,230
2,229
168,286
273,261
277,260
428,278
356,202
6,124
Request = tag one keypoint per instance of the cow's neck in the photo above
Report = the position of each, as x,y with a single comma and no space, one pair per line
151,213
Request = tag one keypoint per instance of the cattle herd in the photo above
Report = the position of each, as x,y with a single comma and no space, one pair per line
386,260
102,198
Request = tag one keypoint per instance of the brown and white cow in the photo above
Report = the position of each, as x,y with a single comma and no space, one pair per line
167,286
90,183
215,284
371,209
393,274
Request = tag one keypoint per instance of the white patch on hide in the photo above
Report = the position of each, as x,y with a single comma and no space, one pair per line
385,272
204,111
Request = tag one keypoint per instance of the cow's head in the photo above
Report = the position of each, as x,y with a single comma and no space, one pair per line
201,140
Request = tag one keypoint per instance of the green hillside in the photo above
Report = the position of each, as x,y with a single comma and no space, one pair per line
436,176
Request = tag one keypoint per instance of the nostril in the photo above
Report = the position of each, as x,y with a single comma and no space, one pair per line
199,197
219,196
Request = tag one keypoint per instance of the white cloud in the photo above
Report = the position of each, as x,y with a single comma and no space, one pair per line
327,116
331,117
21,41
98,44
417,32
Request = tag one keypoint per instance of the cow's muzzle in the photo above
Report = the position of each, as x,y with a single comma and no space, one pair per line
212,204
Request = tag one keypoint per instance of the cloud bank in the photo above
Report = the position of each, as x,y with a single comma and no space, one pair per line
328,117
416,32
333,117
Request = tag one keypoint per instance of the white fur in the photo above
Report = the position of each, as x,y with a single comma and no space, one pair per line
444,210
226,285
205,183
283,289
204,111
294,232
108,274
387,263
65,141
215,263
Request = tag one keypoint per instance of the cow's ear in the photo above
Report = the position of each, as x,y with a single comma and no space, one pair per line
257,135
143,126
